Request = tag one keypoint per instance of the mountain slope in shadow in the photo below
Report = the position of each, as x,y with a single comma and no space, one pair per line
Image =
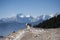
53,22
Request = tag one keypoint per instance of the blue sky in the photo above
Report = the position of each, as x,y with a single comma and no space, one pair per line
10,8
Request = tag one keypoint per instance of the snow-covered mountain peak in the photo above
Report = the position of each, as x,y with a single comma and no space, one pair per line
43,16
22,16
51,15
27,15
57,14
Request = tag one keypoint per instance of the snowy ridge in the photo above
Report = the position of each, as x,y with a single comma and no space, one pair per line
27,18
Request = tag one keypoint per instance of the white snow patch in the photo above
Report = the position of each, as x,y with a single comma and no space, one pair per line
43,17
22,16
52,15
27,15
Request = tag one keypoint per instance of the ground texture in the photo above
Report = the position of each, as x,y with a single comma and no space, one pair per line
35,34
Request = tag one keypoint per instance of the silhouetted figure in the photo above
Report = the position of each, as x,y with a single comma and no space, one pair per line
13,31
1,36
28,25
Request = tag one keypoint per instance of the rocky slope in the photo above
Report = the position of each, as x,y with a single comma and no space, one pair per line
35,34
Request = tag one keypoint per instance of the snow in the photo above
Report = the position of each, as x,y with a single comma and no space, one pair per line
22,16
27,15
43,17
51,15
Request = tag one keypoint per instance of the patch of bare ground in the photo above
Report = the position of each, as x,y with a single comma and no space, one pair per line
36,34
46,34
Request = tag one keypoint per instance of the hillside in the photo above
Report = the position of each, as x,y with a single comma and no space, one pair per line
53,22
35,34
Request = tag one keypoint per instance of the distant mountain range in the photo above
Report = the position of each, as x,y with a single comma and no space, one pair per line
8,25
25,19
